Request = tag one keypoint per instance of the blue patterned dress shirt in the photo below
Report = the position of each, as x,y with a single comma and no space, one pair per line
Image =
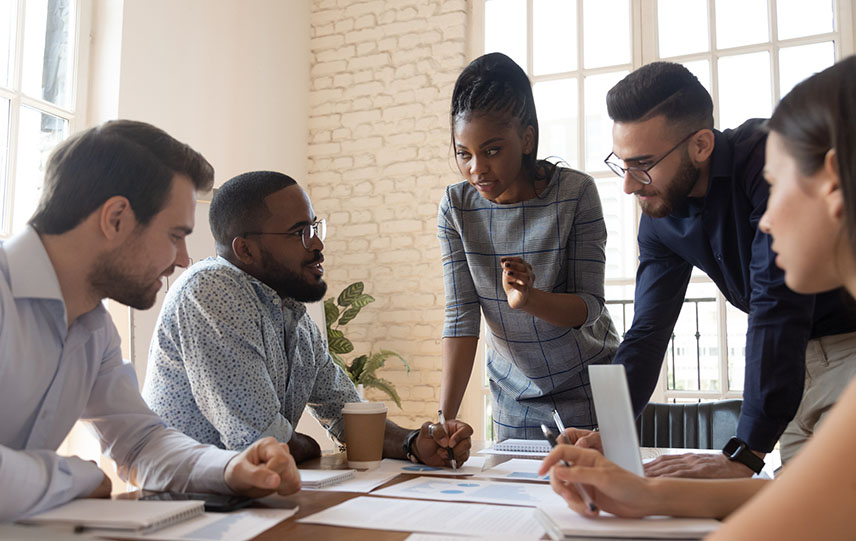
231,362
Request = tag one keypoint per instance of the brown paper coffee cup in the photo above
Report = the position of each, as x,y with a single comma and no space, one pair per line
365,424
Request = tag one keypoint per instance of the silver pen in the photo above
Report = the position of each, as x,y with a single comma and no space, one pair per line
442,420
580,489
559,425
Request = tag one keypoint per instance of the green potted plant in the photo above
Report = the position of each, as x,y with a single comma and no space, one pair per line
363,369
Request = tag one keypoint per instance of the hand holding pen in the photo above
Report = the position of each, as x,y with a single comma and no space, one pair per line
579,488
441,419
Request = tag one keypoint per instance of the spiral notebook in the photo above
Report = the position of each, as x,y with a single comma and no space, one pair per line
519,447
324,478
127,515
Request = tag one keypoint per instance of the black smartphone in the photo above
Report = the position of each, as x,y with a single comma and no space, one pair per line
217,503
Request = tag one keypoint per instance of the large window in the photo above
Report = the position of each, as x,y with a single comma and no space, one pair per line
38,97
747,53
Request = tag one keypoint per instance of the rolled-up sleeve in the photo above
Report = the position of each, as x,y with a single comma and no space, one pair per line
587,252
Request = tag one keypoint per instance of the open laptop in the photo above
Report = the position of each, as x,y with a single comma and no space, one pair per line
615,416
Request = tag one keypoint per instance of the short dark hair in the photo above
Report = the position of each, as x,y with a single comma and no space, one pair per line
131,159
493,83
661,88
816,116
239,205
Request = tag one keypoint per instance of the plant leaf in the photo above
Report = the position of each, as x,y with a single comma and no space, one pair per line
383,385
348,315
350,294
339,344
362,300
331,312
357,366
377,360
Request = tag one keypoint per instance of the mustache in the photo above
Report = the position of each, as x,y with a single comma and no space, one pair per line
317,258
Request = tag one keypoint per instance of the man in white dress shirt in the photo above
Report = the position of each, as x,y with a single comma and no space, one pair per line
117,203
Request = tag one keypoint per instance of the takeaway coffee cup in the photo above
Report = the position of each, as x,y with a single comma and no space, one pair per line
365,423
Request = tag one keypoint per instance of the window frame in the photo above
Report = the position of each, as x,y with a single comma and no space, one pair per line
645,49
76,115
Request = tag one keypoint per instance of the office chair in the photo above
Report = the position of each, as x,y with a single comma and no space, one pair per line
705,425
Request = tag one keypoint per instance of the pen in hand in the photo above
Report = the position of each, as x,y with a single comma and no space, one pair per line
580,489
560,425
442,420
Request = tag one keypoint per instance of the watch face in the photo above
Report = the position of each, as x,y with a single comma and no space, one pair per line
733,448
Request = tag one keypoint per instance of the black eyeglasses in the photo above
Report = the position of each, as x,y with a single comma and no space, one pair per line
641,174
318,228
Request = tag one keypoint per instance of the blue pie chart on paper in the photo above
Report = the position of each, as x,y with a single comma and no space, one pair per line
419,468
452,491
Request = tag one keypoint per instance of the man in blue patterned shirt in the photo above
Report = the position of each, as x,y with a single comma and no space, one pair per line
235,357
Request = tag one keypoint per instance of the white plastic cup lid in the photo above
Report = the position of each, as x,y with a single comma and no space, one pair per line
364,407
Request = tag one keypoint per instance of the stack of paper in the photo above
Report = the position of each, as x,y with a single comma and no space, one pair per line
563,523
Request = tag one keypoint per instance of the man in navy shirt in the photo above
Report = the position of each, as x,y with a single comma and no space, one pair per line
702,193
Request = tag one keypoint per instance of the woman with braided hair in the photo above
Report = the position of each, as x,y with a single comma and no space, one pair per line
523,243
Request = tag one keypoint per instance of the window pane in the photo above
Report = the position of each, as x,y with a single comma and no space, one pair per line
701,69
38,134
48,51
741,22
619,213
798,63
619,302
744,88
505,29
554,36
4,153
736,323
682,27
558,120
606,32
693,354
7,40
598,134
804,17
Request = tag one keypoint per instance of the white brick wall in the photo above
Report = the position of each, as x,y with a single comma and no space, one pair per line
382,73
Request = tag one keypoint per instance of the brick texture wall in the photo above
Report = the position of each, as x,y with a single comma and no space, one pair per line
382,73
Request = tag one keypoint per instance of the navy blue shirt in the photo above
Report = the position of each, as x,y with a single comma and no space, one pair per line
719,234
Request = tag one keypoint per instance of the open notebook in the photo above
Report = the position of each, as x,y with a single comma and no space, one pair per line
129,515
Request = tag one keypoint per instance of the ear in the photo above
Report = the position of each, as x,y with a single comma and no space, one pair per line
243,250
831,185
701,146
116,218
528,139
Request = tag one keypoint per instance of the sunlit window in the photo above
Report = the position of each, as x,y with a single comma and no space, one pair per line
38,59
747,53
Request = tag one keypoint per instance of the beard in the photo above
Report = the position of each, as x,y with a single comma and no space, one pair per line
290,284
114,277
675,193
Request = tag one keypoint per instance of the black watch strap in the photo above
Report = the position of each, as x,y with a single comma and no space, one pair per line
737,450
407,446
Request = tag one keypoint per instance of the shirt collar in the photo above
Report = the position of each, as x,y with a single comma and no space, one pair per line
267,292
720,158
31,272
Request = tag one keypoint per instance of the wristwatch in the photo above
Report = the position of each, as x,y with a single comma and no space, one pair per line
408,446
738,451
